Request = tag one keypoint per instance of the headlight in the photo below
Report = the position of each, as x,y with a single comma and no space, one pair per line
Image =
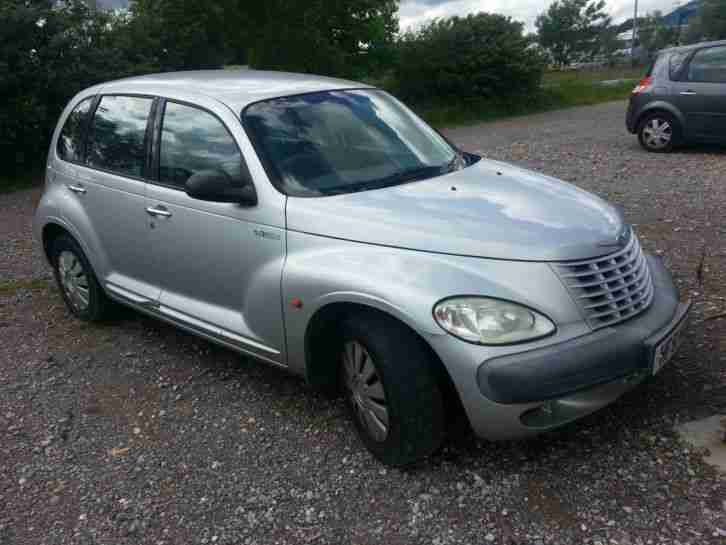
490,321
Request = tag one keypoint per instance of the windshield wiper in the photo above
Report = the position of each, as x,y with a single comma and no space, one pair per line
397,178
409,175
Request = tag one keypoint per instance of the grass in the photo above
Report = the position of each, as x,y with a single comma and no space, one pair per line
593,76
9,287
559,90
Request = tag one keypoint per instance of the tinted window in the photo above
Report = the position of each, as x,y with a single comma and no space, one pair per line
343,141
117,134
70,141
676,62
193,140
708,65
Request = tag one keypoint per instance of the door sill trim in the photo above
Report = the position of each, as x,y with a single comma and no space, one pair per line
195,326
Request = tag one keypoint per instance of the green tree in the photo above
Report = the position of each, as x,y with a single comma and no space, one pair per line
179,34
654,35
693,33
713,19
609,44
49,52
477,56
322,36
570,29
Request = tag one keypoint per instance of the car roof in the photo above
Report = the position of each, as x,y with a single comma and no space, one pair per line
691,47
235,88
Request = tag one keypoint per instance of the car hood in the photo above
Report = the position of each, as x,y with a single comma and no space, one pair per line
489,209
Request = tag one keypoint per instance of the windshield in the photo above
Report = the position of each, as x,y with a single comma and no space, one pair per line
336,142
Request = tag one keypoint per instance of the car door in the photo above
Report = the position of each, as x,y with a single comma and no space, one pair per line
103,174
111,184
701,94
218,265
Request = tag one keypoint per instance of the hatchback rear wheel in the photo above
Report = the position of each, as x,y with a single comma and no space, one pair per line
79,287
659,132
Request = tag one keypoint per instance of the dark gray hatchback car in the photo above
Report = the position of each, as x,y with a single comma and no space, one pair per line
682,98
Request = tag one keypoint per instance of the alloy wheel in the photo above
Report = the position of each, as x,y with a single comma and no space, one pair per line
657,133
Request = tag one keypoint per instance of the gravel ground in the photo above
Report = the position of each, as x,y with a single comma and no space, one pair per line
133,432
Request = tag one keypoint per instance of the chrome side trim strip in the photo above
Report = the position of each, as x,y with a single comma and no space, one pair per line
249,342
130,296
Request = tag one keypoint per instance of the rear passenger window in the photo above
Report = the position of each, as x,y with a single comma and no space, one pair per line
193,140
70,141
117,135
708,66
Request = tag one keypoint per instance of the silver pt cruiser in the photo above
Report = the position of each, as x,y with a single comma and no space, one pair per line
319,225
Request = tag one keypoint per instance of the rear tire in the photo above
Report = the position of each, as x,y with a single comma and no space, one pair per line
391,388
659,132
77,282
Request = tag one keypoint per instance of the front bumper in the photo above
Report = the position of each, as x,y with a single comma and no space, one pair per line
524,393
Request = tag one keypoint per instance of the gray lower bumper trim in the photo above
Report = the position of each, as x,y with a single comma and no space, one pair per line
587,361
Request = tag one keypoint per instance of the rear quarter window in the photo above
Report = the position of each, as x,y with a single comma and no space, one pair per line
676,63
70,141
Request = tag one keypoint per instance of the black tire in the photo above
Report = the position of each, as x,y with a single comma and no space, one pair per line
660,117
99,306
413,398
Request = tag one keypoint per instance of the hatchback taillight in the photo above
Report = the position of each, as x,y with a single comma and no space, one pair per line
643,85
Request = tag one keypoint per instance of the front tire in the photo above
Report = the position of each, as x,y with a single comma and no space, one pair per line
77,282
659,132
391,389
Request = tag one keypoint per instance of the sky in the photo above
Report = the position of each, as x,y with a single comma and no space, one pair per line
415,12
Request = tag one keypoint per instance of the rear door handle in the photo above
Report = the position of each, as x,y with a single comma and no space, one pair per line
158,212
689,93
77,188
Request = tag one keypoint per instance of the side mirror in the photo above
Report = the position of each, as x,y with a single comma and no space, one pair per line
218,186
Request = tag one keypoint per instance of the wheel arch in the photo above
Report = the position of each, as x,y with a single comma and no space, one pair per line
661,106
49,233
54,227
321,365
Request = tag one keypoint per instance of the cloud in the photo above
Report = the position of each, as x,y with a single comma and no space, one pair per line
415,12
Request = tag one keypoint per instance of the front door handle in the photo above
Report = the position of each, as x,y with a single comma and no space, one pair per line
77,188
158,212
689,93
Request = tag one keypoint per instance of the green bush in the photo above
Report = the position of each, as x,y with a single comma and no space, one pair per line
474,57
49,52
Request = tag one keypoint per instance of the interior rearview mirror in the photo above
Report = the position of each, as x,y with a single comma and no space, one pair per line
218,186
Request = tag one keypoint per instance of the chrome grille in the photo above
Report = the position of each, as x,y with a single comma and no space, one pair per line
611,288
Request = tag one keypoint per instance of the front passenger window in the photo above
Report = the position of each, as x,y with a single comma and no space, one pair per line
193,140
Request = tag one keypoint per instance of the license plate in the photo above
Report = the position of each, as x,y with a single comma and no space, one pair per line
667,347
